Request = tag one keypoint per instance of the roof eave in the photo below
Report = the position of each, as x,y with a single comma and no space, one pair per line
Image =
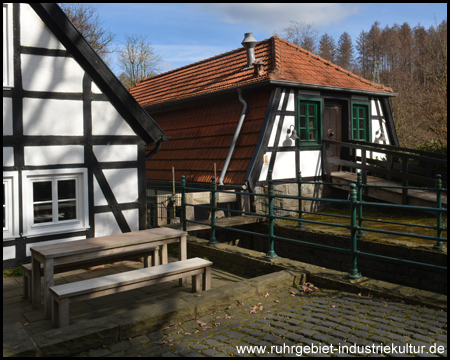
332,88
264,82
191,99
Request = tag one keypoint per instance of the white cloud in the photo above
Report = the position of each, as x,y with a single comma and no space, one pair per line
178,55
276,16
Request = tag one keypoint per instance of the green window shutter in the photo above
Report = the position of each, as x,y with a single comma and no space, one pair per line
309,122
360,121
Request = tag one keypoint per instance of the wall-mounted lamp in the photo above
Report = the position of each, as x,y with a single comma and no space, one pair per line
292,134
380,136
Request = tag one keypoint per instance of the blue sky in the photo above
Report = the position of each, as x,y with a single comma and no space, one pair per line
186,33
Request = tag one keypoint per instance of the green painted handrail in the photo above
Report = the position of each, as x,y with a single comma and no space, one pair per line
356,218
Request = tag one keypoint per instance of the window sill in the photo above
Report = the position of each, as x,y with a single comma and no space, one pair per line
54,230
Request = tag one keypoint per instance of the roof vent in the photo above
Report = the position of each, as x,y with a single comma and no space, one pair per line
249,44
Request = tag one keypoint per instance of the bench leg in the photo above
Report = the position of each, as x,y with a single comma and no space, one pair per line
207,278
60,313
196,283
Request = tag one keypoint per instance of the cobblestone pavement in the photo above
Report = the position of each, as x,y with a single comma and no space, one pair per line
292,323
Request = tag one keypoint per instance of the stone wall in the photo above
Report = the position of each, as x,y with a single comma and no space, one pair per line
410,275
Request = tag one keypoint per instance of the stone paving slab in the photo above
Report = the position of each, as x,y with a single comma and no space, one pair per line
290,322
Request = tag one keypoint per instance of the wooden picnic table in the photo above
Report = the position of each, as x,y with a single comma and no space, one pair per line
105,247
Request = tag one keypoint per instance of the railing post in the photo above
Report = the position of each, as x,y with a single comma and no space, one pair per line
354,273
300,201
183,202
271,254
212,240
405,182
359,198
439,244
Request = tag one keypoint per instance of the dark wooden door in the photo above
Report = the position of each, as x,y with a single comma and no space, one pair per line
332,130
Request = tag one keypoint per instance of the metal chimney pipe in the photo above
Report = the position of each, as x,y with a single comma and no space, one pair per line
249,44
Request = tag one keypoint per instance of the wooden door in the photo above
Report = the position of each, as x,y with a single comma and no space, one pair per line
332,130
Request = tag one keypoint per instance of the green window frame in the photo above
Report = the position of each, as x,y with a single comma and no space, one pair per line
360,121
309,122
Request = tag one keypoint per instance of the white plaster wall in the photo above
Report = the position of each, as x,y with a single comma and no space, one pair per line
8,156
34,32
52,117
99,198
124,185
291,101
95,89
310,163
274,131
280,105
284,167
113,153
54,155
57,74
373,106
107,121
132,218
265,167
106,224
9,252
7,116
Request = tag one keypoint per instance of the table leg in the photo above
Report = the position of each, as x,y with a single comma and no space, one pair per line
183,256
164,256
35,282
183,248
48,282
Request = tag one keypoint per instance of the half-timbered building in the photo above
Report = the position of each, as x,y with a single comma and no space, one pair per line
268,105
74,139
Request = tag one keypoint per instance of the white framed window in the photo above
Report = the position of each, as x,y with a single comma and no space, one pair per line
10,205
54,201
8,78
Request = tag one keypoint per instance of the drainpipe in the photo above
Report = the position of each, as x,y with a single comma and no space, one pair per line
236,135
157,148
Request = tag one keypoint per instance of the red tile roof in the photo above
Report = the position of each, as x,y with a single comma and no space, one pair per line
204,138
282,61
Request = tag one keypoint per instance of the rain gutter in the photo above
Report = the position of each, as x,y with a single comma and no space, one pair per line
236,135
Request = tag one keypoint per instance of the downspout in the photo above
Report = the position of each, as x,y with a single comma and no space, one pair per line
236,135
157,148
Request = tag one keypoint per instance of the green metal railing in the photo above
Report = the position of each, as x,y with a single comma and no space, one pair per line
357,225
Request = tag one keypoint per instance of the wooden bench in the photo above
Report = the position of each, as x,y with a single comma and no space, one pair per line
60,268
64,294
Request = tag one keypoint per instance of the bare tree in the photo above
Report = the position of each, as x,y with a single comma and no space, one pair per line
327,48
85,18
302,34
137,60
